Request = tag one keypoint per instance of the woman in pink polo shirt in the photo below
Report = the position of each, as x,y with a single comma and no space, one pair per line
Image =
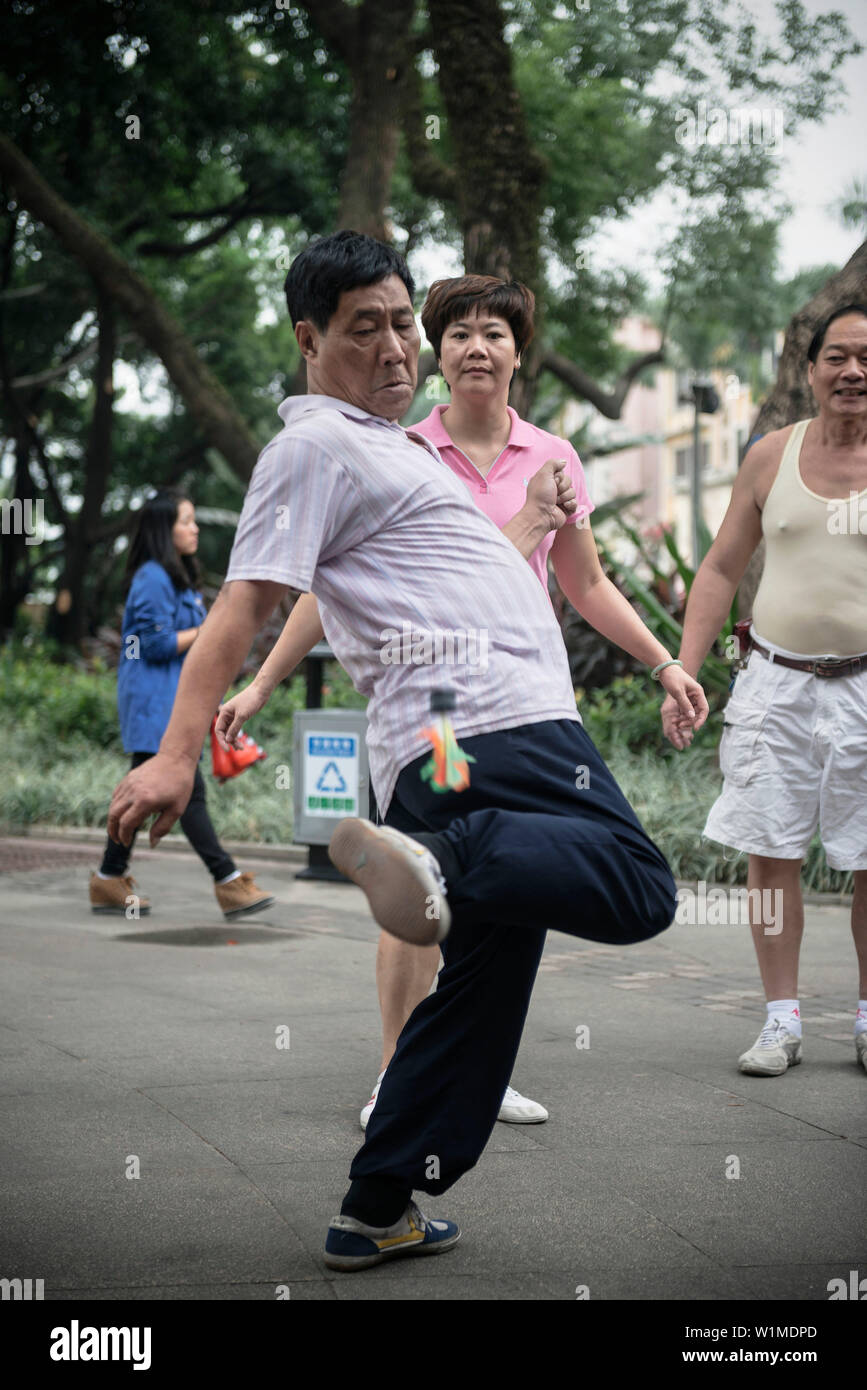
478,326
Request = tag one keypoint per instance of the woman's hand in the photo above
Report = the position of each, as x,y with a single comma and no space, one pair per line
233,715
684,708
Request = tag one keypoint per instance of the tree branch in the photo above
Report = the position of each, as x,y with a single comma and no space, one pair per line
187,248
205,398
74,360
431,177
23,293
609,403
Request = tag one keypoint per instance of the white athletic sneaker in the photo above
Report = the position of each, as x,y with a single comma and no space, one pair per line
368,1109
518,1110
775,1050
861,1049
401,880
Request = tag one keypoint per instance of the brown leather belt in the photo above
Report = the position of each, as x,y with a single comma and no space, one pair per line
834,666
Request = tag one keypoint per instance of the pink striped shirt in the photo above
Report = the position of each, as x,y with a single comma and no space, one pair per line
416,587
502,491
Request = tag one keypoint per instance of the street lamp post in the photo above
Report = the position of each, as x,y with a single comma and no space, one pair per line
705,400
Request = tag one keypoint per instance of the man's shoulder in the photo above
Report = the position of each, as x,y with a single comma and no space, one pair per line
768,448
324,428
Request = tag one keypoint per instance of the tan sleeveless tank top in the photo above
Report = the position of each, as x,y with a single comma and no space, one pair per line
812,597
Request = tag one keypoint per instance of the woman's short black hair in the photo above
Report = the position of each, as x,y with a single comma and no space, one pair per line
330,266
152,540
818,337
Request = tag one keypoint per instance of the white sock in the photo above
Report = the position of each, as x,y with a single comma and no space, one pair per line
788,1011
100,874
229,877
861,1017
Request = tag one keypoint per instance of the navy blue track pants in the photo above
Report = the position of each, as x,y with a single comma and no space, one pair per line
542,838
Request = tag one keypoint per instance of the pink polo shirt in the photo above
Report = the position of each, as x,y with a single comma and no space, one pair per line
503,490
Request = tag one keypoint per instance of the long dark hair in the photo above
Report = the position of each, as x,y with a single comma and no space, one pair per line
152,540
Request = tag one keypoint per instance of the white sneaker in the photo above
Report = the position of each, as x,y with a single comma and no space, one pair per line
861,1049
368,1109
774,1051
401,880
518,1110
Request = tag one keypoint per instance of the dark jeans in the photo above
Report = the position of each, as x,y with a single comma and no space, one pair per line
534,842
196,825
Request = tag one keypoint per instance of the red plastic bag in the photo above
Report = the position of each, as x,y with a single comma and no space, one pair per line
229,764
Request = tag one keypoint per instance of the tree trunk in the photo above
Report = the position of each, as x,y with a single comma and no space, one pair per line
378,68
791,398
207,402
67,620
499,173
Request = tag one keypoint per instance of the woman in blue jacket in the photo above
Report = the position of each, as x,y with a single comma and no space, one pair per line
164,611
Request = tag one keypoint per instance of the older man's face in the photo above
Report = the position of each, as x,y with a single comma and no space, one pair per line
369,353
839,377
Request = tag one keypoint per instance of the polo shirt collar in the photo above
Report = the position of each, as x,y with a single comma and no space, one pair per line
295,406
520,437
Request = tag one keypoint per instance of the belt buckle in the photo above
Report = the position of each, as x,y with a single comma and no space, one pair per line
827,669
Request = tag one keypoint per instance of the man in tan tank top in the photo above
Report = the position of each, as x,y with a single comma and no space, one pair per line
794,746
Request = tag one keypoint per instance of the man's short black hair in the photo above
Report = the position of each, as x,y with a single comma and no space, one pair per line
818,337
330,266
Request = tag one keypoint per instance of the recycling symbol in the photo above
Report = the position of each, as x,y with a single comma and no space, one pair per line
331,779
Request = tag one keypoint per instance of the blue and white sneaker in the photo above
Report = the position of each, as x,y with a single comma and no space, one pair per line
352,1245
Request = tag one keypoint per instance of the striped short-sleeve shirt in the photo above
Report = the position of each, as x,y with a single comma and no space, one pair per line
417,588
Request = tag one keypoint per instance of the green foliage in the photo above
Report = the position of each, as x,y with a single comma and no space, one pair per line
656,595
52,703
625,715
63,760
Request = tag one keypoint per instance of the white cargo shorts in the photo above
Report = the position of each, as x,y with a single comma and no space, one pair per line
793,755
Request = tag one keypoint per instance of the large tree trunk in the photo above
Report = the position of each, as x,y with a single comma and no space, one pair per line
791,398
67,620
498,188
203,395
378,68
374,41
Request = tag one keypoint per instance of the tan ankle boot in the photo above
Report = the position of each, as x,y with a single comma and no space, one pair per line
111,895
241,896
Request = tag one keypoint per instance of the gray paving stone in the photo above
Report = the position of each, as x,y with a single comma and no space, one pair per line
158,1039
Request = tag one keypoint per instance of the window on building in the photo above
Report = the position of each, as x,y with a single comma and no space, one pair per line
683,460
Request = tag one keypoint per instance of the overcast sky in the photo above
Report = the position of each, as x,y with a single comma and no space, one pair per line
817,164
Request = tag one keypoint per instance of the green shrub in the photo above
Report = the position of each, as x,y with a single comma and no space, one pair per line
626,714
63,759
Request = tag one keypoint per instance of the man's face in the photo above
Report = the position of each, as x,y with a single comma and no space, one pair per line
839,375
368,355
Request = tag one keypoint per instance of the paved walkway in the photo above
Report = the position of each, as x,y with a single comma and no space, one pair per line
151,1045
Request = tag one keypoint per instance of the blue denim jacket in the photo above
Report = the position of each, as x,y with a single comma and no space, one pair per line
150,665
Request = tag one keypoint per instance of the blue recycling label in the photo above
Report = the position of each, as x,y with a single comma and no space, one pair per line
331,746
